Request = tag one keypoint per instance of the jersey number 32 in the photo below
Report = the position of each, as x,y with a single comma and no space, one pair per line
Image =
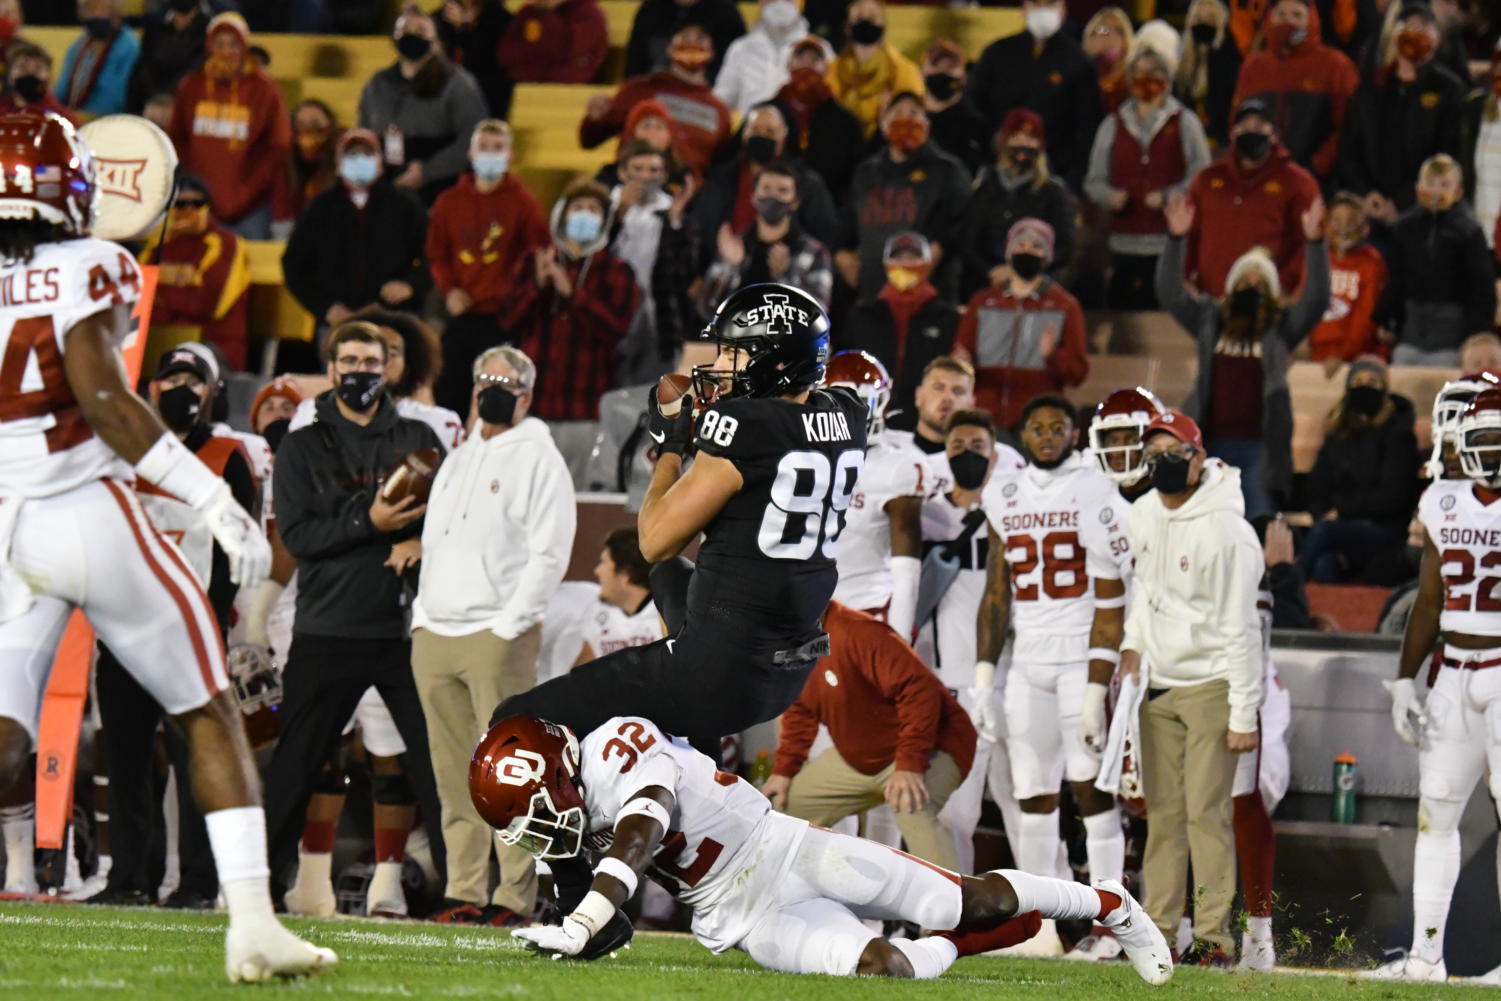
808,499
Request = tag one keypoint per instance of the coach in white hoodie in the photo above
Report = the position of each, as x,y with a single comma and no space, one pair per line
495,545
1193,623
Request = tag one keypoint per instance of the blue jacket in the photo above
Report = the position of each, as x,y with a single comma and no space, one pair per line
108,94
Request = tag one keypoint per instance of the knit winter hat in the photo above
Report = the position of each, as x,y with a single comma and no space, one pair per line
1256,260
1367,363
227,21
1034,228
359,135
1163,39
1026,121
284,386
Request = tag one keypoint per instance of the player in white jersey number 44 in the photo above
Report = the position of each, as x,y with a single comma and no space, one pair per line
1457,731
73,534
790,895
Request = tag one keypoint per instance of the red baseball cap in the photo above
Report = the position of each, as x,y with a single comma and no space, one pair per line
1177,424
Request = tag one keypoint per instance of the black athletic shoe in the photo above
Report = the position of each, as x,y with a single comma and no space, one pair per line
189,900
115,896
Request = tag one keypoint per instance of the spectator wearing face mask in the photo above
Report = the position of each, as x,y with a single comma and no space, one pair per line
424,109
171,48
755,66
648,121
204,275
909,185
1245,337
231,128
869,72
1407,111
729,189
312,165
657,23
1208,69
1255,197
1042,69
1108,40
97,68
1305,85
1147,149
1441,287
823,133
28,71
956,125
1363,485
1017,185
908,324
554,41
478,232
1357,274
699,120
774,248
273,408
570,305
1025,335
365,211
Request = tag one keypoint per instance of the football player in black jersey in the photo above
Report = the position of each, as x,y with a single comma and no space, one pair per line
775,460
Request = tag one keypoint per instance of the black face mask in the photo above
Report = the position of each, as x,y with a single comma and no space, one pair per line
941,86
1203,34
30,88
1365,400
275,432
1253,145
497,405
180,407
773,210
1026,266
1170,474
413,47
864,32
359,390
761,149
969,469
1245,302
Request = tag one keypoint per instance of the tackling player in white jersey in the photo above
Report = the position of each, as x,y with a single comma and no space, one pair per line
881,545
1058,551
790,895
1456,730
72,438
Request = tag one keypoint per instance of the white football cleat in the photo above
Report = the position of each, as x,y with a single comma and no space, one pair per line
1145,946
260,950
1044,945
1095,948
22,885
385,898
1410,968
1256,955
1491,979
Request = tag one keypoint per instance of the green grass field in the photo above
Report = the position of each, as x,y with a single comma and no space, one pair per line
58,951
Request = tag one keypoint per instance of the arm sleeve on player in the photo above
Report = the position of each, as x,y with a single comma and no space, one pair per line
912,687
906,574
799,728
1234,578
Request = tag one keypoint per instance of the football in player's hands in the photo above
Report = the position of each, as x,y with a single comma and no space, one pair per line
411,476
671,389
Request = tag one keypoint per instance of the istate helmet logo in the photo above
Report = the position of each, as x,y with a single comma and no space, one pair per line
521,767
777,313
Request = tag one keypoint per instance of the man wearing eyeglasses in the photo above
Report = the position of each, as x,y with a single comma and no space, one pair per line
495,546
353,551
1193,628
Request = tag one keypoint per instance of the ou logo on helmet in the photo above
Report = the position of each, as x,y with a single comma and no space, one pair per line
520,768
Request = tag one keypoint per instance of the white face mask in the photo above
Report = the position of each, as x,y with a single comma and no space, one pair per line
780,14
1043,22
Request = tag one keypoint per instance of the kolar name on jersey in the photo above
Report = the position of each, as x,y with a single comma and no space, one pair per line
35,285
1029,520
826,425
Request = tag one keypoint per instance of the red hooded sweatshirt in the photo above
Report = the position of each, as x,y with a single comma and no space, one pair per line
475,240
700,121
562,44
235,134
1356,278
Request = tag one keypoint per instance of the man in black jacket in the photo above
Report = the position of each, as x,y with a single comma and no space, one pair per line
1043,69
354,550
658,20
958,127
821,131
171,48
358,243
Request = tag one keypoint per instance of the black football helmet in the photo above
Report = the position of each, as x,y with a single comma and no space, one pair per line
783,330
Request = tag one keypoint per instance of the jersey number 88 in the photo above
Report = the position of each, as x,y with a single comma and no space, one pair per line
808,500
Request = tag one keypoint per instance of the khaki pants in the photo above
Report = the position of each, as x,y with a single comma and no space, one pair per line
1188,776
827,790
461,679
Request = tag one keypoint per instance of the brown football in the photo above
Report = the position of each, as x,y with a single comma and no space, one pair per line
411,476
670,389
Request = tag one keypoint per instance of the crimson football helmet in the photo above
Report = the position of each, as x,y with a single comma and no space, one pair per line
1479,438
864,373
1124,409
524,782
1448,406
46,171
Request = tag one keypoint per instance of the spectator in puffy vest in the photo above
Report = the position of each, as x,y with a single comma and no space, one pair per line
204,276
1149,148
28,72
956,124
477,234
822,132
97,68
312,165
657,23
1043,69
1025,334
755,66
1108,42
1305,84
1410,109
700,122
1357,274
1018,185
555,41
171,48
1255,197
870,71
1208,69
231,128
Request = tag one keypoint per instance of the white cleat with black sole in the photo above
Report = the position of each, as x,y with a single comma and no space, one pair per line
1138,936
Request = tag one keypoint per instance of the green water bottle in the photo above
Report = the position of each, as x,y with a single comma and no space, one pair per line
760,771
1344,789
